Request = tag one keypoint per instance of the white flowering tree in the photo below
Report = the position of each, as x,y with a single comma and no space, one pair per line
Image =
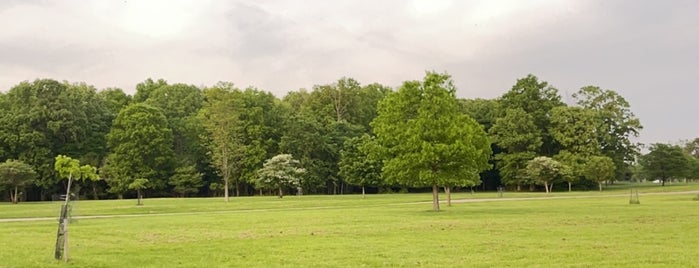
279,172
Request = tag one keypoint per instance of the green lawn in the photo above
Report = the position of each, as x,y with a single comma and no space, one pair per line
589,229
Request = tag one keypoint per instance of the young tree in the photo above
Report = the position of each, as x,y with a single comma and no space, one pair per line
16,174
139,185
280,171
599,169
575,163
70,169
219,116
664,162
545,170
427,140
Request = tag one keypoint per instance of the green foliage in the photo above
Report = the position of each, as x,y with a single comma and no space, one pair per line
513,166
279,172
261,128
616,124
536,98
575,129
70,168
358,166
67,167
516,132
140,143
138,184
664,162
16,175
180,104
145,88
544,170
575,163
44,118
599,169
311,142
186,180
427,140
220,118
114,99
484,111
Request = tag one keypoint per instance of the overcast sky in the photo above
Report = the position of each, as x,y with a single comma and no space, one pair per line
648,51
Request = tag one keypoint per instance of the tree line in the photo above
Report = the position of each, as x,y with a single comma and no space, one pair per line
343,137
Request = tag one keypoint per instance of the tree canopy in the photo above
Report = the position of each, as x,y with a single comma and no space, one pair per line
427,140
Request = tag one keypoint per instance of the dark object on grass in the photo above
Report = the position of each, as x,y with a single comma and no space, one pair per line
633,200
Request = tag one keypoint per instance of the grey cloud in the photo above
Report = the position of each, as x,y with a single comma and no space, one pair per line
645,50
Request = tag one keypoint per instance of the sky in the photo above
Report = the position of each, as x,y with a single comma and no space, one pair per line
647,51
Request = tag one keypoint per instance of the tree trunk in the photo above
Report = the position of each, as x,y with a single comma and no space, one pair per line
225,189
519,188
546,186
663,181
551,187
65,238
237,187
139,196
447,190
65,220
94,192
435,198
363,192
569,187
14,197
281,194
600,185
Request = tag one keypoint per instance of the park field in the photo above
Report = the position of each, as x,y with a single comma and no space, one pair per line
579,229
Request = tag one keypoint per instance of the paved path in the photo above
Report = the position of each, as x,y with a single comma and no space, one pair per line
469,200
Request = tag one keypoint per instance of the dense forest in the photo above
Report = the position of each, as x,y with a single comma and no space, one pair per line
172,139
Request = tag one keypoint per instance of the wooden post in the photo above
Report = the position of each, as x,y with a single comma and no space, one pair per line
62,234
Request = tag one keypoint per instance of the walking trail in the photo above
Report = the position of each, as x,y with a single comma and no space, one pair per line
474,200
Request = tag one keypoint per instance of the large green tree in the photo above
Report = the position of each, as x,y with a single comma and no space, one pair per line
260,130
665,161
616,124
516,133
575,130
427,140
140,144
180,104
358,165
537,98
16,175
41,119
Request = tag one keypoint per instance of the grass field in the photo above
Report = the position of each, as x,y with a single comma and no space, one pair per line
579,229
